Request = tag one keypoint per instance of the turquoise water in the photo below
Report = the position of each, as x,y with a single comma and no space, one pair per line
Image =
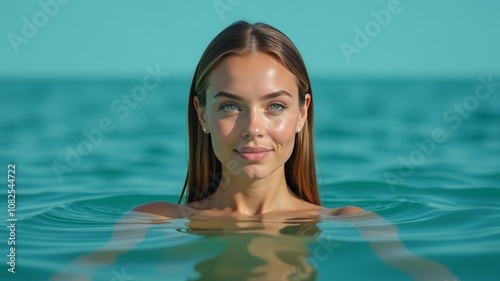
374,149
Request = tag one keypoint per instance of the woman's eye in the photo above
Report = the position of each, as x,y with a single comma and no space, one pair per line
277,106
228,107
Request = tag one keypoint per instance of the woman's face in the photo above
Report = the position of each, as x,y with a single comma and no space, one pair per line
252,113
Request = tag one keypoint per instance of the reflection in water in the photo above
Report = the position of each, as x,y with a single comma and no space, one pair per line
257,250
266,249
291,249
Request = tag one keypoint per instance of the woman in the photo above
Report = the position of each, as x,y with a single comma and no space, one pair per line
250,118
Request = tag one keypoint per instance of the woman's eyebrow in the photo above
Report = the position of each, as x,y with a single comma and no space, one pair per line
265,97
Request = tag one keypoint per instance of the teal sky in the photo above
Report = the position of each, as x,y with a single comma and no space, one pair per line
101,39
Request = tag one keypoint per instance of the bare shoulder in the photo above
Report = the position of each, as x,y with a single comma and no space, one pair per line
348,210
163,209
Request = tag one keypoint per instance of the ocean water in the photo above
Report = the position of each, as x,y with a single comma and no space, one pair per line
422,154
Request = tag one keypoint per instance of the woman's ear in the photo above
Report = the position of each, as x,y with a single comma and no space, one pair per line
303,112
201,114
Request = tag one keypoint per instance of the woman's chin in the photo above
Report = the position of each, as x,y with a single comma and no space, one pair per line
252,174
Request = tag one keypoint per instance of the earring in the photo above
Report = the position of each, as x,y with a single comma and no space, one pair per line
298,130
205,130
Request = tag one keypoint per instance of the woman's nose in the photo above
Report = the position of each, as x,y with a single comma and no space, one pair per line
254,125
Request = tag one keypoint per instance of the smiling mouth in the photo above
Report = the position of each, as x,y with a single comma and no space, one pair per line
253,154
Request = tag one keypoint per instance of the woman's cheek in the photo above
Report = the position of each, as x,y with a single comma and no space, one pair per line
216,122
282,126
222,127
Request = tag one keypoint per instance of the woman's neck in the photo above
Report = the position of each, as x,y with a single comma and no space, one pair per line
252,197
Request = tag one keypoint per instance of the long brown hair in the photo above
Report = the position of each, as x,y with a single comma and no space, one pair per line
240,38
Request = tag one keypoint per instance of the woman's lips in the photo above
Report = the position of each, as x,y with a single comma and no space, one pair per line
253,153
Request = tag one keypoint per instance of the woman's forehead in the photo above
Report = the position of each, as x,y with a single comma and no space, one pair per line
256,72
